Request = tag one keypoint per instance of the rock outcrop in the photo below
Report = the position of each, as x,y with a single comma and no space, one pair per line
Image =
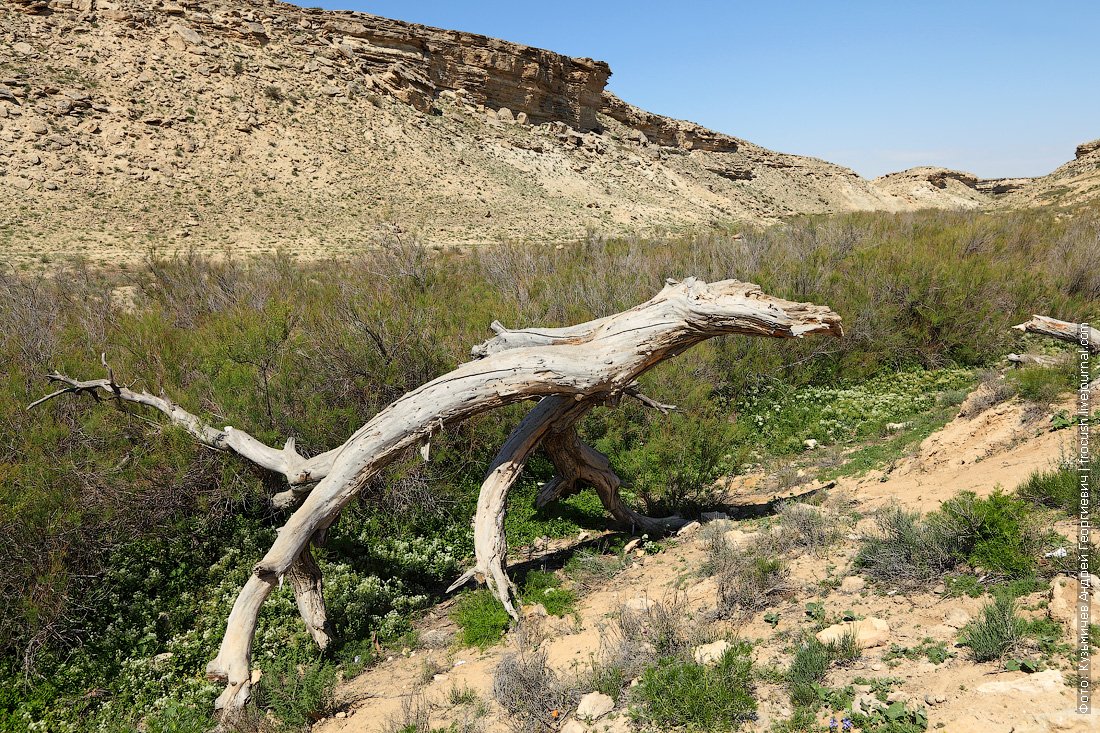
254,124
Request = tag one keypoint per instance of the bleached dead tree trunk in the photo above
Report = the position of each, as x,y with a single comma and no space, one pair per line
1061,330
571,369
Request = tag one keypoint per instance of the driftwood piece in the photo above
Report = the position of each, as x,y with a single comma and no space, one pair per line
1061,330
571,369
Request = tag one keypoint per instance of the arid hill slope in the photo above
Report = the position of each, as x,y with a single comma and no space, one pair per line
252,124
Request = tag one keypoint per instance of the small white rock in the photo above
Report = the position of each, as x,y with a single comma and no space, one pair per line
594,706
710,653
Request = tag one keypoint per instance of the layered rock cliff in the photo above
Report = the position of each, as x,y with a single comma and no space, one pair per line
247,125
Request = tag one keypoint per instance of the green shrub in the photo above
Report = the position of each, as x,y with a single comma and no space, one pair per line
1043,385
481,618
993,534
1059,488
297,695
698,697
997,632
541,586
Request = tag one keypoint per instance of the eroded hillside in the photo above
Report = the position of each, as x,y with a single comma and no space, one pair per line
251,125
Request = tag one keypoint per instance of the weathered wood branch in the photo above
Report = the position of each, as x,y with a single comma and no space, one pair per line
570,368
286,461
1062,330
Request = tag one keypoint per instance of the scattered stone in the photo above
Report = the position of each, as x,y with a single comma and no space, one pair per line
869,632
341,714
931,699
521,118
866,704
594,706
1032,684
188,35
852,584
810,443
534,610
436,638
898,696
893,427
688,529
710,653
632,545
505,115
956,618
641,604
22,184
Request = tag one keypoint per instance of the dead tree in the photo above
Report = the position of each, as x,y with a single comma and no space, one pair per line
1062,330
569,370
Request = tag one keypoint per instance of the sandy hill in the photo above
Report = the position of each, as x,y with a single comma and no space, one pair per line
253,124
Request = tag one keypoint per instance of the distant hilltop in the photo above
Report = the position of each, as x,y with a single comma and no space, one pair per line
246,125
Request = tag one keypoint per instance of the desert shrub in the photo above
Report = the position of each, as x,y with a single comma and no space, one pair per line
905,552
698,697
661,626
541,586
531,692
1058,488
481,618
808,526
996,632
297,695
1043,385
589,569
993,534
749,578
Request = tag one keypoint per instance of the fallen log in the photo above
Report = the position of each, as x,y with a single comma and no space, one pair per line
569,369
1063,331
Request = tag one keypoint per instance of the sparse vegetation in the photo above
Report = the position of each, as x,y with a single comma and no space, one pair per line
996,633
1058,488
697,697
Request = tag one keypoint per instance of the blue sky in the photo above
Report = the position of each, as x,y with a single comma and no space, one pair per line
995,88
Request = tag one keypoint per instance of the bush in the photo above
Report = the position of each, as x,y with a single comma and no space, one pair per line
531,692
544,587
749,579
993,534
297,695
905,552
808,526
996,633
1043,385
1059,488
698,697
481,617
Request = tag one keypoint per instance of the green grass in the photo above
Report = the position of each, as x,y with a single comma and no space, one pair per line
481,619
541,586
1043,385
811,662
1059,488
996,632
697,697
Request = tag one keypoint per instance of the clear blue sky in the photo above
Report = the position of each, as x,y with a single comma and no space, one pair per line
999,88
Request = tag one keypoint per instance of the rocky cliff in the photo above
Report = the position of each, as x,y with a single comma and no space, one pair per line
247,125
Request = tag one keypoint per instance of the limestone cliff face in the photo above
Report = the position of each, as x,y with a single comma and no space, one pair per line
414,62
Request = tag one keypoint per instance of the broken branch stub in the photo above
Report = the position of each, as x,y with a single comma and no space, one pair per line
571,368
